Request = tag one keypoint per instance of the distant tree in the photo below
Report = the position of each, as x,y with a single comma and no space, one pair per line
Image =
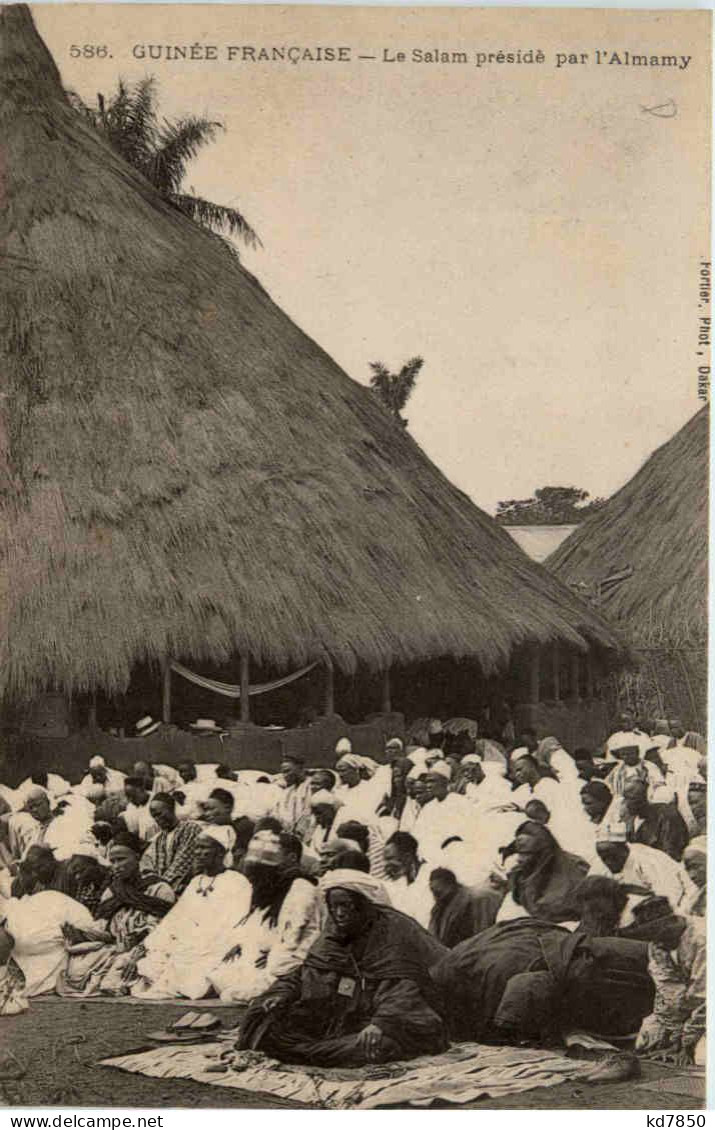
161,151
550,506
395,389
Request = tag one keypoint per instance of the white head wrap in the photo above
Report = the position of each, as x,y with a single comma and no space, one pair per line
358,881
471,759
442,769
517,754
97,762
223,834
416,772
394,743
324,797
350,759
369,766
338,844
344,746
418,756
625,738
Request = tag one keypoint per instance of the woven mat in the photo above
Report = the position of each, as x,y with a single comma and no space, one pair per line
463,1074
178,1002
691,1085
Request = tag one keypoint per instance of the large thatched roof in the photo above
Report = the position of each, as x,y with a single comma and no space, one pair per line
183,471
650,545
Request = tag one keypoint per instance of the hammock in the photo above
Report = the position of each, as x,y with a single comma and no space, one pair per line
230,690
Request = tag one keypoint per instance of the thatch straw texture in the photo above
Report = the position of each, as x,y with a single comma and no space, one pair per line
184,472
656,525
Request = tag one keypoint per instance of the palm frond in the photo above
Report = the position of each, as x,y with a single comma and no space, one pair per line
140,131
381,383
395,389
178,143
216,217
380,379
405,381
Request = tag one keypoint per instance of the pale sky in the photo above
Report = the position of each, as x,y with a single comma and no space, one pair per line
534,233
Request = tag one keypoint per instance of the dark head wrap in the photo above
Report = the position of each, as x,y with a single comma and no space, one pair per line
131,893
129,840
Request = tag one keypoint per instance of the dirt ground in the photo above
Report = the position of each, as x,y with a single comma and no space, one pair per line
58,1043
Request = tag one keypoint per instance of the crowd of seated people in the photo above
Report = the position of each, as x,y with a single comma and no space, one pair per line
452,890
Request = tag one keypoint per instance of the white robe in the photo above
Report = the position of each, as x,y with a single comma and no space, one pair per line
360,802
410,814
439,820
196,792
657,873
564,767
23,831
113,786
139,820
282,947
659,790
56,787
70,833
681,761
491,794
193,937
11,798
35,922
170,775
292,807
414,899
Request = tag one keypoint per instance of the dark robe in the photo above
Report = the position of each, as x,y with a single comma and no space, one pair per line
663,828
549,891
463,915
534,980
381,977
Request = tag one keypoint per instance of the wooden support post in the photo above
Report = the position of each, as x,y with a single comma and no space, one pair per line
386,694
166,692
590,680
556,668
575,676
245,699
329,689
535,676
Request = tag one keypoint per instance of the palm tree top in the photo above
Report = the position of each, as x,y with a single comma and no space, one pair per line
161,151
395,389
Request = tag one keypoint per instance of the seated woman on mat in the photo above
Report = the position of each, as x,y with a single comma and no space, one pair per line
103,960
362,995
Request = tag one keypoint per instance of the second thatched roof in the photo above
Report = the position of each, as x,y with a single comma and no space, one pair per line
184,472
643,558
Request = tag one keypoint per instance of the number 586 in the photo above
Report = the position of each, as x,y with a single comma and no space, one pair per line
87,51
